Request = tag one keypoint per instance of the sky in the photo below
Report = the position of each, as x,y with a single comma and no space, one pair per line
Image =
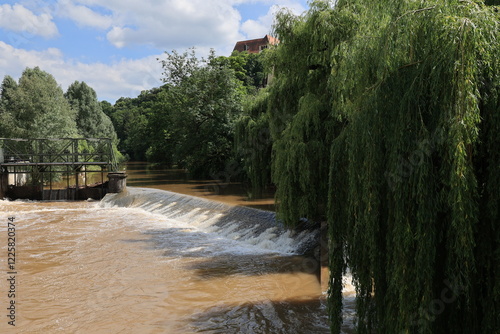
113,45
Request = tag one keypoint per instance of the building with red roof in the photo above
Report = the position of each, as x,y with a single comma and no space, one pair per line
255,45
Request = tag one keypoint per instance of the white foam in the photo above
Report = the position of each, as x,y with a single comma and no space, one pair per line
244,228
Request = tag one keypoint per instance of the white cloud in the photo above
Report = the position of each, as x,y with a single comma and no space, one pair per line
173,24
83,16
123,78
263,25
164,25
117,36
17,18
255,29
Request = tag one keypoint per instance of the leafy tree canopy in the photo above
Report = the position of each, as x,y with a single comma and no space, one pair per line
248,67
91,121
201,100
36,107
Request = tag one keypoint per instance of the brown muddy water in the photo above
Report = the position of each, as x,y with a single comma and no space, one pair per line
152,261
225,190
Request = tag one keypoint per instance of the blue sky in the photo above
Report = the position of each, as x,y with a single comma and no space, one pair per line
113,45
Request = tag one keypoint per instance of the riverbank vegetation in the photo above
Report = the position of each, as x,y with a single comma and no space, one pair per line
396,104
190,121
381,118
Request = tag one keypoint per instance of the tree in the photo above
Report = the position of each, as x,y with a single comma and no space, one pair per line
129,119
254,142
204,99
161,146
36,107
141,133
248,68
91,121
299,112
7,104
420,109
107,108
396,104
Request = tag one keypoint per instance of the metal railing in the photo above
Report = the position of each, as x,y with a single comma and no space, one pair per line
56,153
49,166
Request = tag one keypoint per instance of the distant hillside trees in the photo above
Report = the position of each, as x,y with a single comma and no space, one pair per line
202,98
130,117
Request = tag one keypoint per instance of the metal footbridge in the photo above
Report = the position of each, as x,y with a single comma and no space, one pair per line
40,165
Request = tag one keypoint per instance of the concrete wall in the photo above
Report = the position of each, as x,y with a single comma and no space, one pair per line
117,182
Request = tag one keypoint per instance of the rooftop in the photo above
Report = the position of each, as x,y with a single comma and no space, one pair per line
255,45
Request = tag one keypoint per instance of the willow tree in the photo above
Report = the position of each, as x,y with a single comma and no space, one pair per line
299,109
253,142
397,103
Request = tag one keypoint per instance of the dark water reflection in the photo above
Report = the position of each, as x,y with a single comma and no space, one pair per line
264,317
142,174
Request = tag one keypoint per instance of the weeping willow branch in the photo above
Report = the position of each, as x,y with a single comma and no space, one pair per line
420,99
416,11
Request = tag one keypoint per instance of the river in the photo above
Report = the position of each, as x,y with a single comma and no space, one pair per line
152,261
141,174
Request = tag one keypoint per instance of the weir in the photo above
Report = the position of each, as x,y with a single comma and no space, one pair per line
57,168
252,226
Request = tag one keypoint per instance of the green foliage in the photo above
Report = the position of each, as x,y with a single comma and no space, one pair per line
130,119
7,100
253,142
189,122
299,111
107,108
248,68
201,101
415,130
36,107
186,123
492,2
92,122
160,128
396,104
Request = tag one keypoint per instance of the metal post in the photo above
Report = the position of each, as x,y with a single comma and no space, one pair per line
67,179
102,181
50,181
75,160
41,182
